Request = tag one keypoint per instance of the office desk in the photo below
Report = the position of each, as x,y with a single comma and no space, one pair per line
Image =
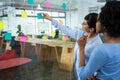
58,43
67,55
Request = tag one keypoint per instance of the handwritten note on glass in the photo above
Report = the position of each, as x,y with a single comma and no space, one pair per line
43,26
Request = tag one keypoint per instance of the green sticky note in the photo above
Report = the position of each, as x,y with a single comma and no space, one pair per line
39,16
30,1
64,6
8,36
69,39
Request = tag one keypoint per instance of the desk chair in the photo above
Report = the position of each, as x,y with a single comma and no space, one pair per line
8,67
5,64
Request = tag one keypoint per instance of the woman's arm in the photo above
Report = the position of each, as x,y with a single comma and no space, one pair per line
82,58
70,32
82,43
97,59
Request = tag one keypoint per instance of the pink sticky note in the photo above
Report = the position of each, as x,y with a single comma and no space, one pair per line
23,38
66,37
48,4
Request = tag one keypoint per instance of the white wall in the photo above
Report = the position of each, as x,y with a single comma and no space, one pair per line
77,17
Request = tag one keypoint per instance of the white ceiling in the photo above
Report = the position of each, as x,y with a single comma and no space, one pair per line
24,3
55,4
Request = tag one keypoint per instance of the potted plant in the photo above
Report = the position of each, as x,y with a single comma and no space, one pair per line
19,32
21,35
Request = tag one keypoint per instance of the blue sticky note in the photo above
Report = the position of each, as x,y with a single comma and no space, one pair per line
64,6
8,36
39,16
30,1
67,26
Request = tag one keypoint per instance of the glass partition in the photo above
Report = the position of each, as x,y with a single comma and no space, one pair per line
44,52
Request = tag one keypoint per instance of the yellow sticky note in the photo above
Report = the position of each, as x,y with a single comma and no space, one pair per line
46,37
2,24
24,14
53,34
63,38
61,21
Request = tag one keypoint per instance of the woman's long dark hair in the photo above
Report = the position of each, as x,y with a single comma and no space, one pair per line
91,20
110,18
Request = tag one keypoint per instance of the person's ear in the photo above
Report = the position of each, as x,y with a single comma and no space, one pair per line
103,29
92,29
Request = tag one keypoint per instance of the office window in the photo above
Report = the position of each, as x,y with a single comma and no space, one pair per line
61,14
46,24
31,24
54,14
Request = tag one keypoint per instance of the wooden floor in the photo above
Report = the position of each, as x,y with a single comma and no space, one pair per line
47,70
37,70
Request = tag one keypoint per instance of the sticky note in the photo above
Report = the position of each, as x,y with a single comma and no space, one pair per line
48,4
2,24
8,36
67,26
63,38
69,39
53,34
61,21
23,38
66,37
30,1
24,14
45,37
64,6
39,16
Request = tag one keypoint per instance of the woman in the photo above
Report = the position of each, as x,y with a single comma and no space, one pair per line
89,27
105,58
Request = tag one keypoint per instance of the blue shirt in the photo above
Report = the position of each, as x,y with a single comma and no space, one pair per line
105,59
76,34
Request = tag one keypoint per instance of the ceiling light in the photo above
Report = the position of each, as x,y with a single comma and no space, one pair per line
39,7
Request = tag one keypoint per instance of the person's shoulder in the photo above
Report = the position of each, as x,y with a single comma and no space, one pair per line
100,50
101,47
104,48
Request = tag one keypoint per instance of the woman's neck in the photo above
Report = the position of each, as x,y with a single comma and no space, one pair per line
111,39
91,35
